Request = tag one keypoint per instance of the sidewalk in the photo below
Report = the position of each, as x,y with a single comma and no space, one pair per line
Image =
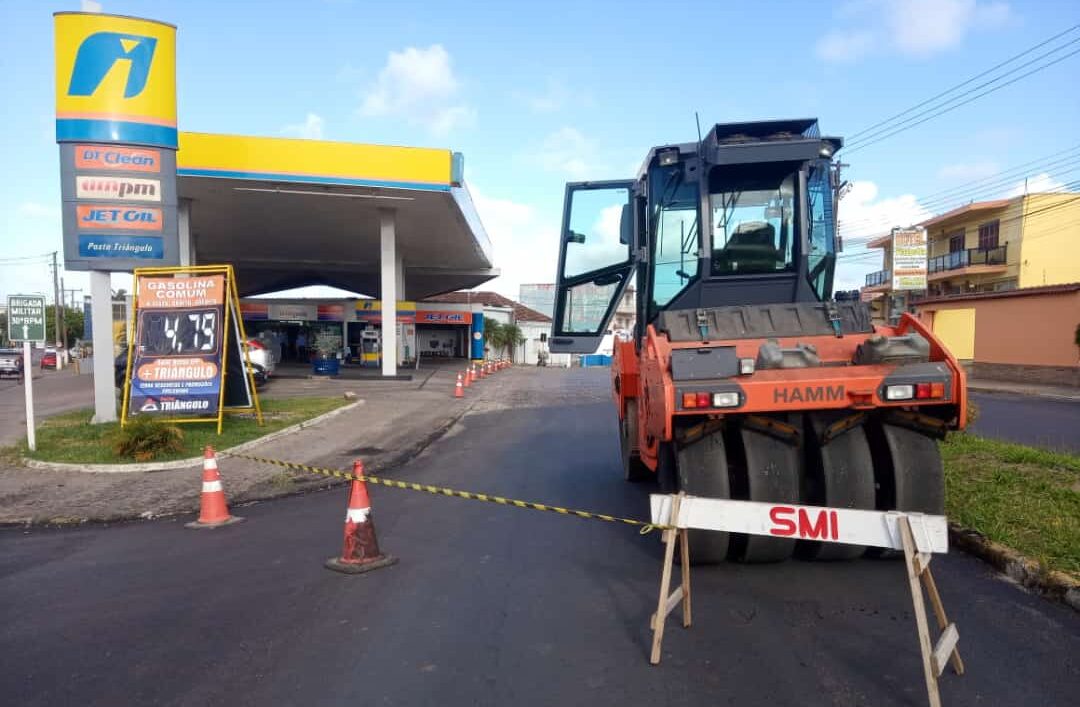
396,421
1054,392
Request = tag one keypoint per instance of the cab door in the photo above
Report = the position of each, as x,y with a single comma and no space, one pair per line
595,263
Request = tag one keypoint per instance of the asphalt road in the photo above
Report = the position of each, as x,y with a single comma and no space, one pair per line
491,605
54,392
1041,422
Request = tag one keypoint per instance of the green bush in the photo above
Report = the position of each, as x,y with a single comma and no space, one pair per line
144,439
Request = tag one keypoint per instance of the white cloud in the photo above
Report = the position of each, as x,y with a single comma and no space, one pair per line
90,6
526,242
568,152
924,27
842,47
917,28
310,129
863,216
1039,183
418,86
967,171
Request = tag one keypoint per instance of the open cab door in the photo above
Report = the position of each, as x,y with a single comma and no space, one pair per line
595,263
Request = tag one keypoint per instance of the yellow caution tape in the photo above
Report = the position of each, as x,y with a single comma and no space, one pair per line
443,491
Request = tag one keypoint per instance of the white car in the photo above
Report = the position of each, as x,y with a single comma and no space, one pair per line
260,356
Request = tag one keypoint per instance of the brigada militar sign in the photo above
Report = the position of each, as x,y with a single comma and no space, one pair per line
179,336
116,125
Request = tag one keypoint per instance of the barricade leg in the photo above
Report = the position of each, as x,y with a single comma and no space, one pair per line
934,658
667,602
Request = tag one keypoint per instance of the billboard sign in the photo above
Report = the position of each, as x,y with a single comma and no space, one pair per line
26,318
179,335
909,254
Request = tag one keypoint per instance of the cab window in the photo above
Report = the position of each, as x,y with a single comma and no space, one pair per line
753,219
674,225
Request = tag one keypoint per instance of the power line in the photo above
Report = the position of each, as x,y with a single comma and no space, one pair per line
1023,216
964,83
867,142
947,200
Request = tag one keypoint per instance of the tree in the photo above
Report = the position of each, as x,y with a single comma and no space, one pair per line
511,338
73,322
491,334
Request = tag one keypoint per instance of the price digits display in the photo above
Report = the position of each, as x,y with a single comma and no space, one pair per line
180,332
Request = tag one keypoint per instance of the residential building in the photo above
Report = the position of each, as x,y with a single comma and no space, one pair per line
1027,334
535,326
989,246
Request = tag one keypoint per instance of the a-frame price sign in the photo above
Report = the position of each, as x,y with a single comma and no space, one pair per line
187,355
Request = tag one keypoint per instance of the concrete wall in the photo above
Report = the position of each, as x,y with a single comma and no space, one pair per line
1049,254
1020,336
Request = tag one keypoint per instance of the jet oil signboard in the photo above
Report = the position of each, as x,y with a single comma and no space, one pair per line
116,125
26,318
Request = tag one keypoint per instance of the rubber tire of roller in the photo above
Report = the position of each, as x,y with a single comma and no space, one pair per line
703,471
847,477
633,468
667,476
918,475
773,469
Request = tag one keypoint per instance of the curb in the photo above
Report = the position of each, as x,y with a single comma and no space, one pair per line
1025,571
393,461
1027,393
185,463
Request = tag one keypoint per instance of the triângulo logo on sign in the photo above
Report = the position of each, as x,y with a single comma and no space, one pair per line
115,79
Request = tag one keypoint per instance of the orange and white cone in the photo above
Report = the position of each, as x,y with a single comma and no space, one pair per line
361,550
467,378
213,508
458,391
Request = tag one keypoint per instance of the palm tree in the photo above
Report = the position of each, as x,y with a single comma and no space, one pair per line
511,338
492,334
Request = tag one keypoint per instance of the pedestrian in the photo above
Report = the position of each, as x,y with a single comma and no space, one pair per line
301,346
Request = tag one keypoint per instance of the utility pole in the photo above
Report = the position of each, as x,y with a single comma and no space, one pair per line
63,314
56,310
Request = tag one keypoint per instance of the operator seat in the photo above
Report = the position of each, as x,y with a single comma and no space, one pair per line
752,248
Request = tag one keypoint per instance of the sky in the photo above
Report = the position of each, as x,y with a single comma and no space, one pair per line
538,94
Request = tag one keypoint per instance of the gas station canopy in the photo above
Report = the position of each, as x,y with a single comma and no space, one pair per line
288,213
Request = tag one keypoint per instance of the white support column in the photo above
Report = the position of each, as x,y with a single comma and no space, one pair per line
183,224
389,263
101,313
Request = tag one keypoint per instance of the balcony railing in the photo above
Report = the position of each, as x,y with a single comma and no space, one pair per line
878,278
971,256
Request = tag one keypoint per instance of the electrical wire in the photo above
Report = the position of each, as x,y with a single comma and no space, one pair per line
964,83
868,142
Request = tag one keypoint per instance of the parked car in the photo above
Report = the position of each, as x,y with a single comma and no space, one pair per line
48,359
11,363
261,356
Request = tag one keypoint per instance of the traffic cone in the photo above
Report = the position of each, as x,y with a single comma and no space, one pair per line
467,378
361,550
213,509
458,391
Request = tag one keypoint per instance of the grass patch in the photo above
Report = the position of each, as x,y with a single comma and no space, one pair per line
1023,497
71,438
